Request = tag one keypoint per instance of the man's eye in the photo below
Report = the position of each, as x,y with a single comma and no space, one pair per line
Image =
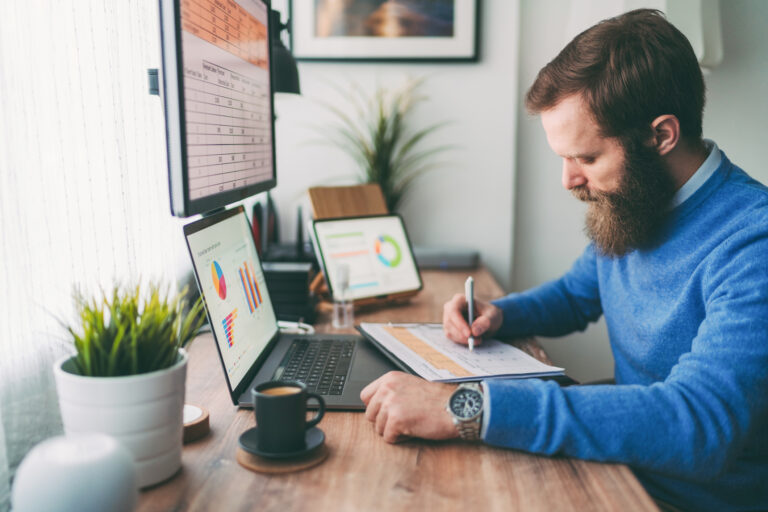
587,161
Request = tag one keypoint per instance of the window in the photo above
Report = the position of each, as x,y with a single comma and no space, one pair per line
83,188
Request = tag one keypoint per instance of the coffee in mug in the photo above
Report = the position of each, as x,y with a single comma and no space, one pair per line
282,390
280,408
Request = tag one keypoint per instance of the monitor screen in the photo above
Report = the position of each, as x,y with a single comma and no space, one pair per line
217,92
230,277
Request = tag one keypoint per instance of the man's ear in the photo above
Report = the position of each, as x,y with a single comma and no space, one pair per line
666,133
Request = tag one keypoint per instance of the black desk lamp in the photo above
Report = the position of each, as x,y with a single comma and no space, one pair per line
285,71
285,78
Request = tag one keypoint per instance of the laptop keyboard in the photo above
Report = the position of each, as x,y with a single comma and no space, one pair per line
322,364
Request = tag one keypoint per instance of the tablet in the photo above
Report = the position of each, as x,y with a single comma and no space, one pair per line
377,252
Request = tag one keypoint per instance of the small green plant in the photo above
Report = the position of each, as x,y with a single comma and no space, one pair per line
381,138
130,332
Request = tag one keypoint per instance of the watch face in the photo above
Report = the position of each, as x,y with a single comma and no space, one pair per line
466,403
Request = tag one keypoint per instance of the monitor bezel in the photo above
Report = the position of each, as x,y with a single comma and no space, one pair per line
172,91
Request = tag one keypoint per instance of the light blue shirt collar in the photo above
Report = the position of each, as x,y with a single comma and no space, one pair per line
701,175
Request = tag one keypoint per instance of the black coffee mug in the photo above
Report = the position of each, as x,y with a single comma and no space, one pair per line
280,408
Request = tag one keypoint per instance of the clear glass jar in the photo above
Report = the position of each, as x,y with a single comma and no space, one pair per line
343,308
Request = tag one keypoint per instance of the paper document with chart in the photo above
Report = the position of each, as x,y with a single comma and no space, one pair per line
425,350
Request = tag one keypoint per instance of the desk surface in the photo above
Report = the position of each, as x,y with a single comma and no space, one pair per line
363,472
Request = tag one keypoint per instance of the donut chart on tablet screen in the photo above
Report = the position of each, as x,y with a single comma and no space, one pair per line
388,251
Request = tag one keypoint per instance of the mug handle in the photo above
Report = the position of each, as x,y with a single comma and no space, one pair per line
320,412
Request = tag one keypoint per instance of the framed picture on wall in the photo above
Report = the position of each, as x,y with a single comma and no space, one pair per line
385,30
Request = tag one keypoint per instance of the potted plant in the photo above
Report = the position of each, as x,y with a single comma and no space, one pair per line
127,375
382,138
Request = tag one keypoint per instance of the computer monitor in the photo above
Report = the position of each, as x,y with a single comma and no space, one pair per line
216,84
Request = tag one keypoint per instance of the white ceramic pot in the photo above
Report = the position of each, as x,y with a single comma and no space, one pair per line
144,412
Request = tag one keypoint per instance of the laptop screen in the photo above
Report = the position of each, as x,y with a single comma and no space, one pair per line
230,278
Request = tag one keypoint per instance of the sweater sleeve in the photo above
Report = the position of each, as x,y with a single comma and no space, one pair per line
691,425
555,308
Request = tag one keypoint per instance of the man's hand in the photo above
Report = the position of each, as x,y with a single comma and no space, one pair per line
402,405
488,320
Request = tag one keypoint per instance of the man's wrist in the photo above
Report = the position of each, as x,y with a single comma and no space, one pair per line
498,317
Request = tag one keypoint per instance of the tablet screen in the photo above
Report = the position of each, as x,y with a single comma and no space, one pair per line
376,250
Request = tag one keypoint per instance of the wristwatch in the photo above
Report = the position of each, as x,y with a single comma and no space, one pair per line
466,408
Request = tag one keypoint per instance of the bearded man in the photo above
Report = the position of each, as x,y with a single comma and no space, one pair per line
677,264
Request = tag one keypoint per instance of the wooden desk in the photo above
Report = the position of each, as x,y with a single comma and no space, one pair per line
363,472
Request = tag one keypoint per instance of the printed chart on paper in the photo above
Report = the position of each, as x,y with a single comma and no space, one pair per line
425,349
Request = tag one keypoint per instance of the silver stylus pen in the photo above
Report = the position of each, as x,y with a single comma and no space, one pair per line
469,294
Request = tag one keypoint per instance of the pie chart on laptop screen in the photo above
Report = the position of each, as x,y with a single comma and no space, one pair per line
218,280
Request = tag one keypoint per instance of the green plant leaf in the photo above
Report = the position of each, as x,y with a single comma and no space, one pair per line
380,137
131,330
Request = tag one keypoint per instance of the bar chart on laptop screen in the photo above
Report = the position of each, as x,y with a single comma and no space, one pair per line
227,98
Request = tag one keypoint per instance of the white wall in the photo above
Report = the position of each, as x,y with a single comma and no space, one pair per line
468,203
736,115
549,222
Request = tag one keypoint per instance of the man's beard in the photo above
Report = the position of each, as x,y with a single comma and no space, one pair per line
629,218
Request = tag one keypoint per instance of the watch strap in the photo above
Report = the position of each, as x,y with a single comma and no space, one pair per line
469,430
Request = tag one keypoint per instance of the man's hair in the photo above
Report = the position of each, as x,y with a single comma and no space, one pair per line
629,70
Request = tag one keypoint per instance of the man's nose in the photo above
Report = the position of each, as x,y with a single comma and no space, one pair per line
572,175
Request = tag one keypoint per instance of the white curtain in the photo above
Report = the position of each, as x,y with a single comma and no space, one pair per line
83,188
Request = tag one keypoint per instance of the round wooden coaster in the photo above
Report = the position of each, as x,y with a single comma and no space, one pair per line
277,466
196,423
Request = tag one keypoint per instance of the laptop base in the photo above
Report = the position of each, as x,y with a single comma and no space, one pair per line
366,365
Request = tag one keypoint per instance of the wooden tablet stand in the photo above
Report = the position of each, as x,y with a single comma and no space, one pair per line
351,201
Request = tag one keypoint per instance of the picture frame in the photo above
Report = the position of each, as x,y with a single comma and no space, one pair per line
385,31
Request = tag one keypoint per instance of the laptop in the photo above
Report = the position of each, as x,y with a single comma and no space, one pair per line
251,347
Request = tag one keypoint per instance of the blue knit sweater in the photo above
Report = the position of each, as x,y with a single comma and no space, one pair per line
688,325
